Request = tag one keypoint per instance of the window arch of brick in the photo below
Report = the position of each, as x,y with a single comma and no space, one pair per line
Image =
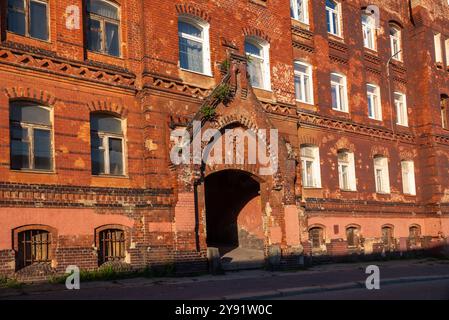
52,233
99,237
321,229
193,10
355,241
109,107
34,95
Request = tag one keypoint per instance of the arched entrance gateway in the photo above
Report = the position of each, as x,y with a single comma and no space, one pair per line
242,209
234,222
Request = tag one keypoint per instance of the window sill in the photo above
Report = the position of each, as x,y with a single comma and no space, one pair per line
374,52
18,35
336,37
378,120
198,73
304,102
313,188
342,111
348,190
302,23
33,171
402,125
105,54
110,176
383,193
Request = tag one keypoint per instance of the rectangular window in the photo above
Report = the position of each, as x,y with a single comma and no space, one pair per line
310,167
346,171
401,109
408,177
446,46
369,32
396,43
33,247
299,10
28,18
438,49
303,83
374,106
339,92
333,17
112,245
381,173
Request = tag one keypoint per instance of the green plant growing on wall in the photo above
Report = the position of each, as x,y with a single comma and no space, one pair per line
223,93
208,112
225,65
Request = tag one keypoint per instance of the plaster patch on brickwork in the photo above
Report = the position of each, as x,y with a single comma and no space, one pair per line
150,145
84,132
79,163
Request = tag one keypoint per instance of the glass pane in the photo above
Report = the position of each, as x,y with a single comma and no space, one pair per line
298,92
253,49
102,8
115,156
189,29
38,20
29,113
334,97
20,152
42,149
105,123
112,44
255,73
191,54
97,154
94,35
16,22
331,4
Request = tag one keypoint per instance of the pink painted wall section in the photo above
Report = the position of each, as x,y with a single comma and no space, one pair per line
292,229
185,212
74,222
370,227
160,226
250,218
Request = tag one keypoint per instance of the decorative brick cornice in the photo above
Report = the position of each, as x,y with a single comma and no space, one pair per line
57,66
108,106
41,96
281,109
157,82
303,47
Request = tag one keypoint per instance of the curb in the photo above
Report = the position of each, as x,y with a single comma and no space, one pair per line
335,287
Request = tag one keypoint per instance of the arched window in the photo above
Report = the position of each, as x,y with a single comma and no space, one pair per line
103,27
33,246
381,174
299,10
387,236
107,144
444,105
396,42
369,31
111,245
333,17
194,52
28,18
310,162
303,82
257,52
414,234
346,170
352,236
30,136
316,237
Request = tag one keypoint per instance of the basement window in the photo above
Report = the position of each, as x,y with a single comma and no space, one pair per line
112,245
107,144
352,236
33,247
316,237
28,18
387,236
30,136
414,235
103,27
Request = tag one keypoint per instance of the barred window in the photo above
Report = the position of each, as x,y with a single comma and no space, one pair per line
352,236
387,235
112,245
316,237
33,247
414,234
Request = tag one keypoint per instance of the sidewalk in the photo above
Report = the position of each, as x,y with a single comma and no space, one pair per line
242,284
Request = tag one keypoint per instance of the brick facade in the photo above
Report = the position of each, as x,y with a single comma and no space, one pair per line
162,206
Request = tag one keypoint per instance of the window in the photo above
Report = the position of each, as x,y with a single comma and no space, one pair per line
28,18
396,43
103,27
401,109
112,245
316,237
333,17
30,136
303,82
381,174
408,177
444,101
299,10
374,106
446,45
339,92
352,236
414,235
310,160
369,31
346,170
258,65
33,247
194,52
106,144
387,236
438,49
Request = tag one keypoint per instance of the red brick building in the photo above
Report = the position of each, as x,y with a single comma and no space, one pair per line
91,90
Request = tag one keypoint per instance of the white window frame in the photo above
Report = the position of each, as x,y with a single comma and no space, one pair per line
348,163
341,90
446,47
301,77
334,15
265,59
381,175
369,32
204,40
408,177
438,48
311,154
396,41
374,98
295,8
400,102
